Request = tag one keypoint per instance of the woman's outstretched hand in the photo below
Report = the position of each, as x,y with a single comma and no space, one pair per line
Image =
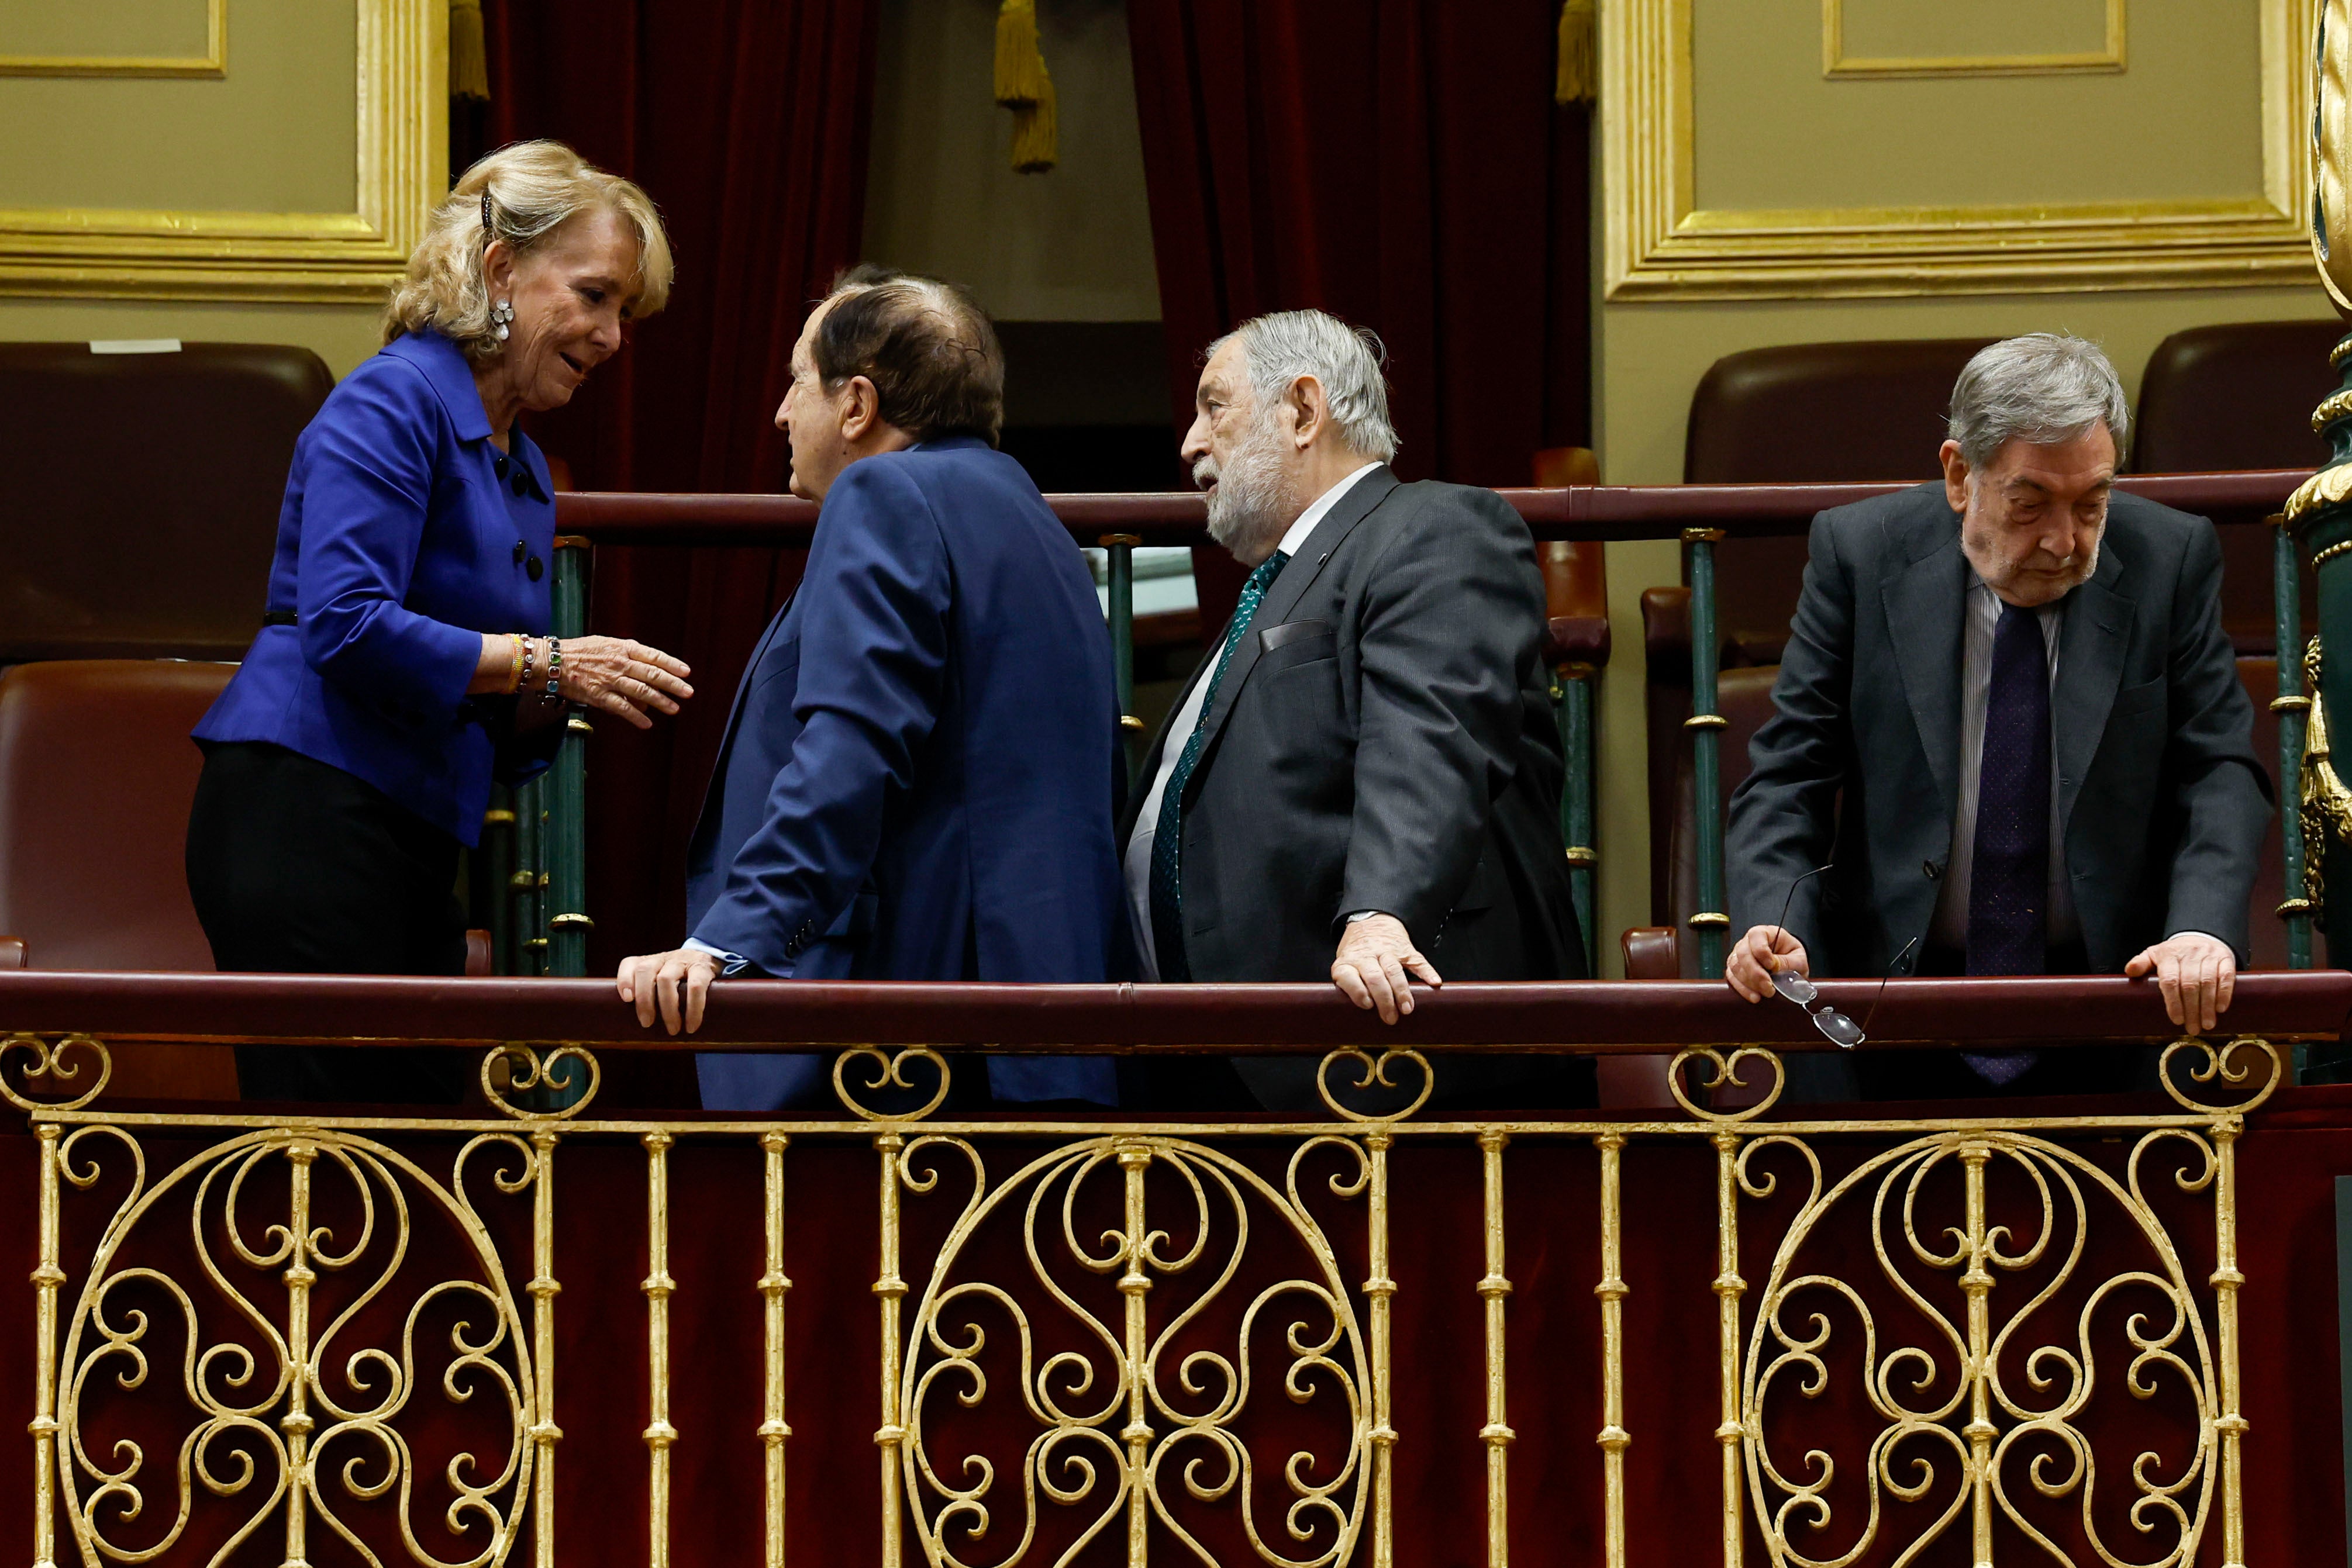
623,677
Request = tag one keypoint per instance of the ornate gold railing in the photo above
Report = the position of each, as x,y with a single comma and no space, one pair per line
293,1338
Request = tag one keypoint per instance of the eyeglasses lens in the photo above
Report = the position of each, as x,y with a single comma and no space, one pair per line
1838,1027
1795,987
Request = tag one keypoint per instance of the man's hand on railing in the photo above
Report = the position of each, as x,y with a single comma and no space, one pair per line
623,677
654,981
1376,956
1765,951
2197,973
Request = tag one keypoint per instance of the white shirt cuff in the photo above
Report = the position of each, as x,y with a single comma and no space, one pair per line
729,963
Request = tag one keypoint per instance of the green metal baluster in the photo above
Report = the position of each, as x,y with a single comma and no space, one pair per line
2291,706
530,877
495,879
1572,690
567,787
1121,549
1710,924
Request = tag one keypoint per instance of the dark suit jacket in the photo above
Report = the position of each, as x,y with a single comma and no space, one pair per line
916,780
2163,801
1383,739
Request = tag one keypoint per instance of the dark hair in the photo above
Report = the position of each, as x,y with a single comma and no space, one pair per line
926,345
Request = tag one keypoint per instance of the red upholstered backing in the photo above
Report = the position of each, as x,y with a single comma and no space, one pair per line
1810,413
1744,697
97,773
143,495
2235,397
96,776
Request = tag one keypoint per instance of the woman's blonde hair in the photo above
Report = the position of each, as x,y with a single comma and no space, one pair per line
520,195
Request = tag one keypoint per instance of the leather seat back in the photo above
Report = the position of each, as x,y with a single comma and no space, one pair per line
2237,396
1810,413
97,773
143,495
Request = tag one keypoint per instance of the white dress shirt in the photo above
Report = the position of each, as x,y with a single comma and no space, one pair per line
1980,617
1187,720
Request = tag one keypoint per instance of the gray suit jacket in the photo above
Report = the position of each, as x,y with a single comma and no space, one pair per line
2163,801
1383,739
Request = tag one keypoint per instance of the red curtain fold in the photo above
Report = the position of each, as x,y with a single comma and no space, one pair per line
1401,164
747,122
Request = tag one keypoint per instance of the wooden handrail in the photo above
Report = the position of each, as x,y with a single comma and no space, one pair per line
1587,1017
1176,517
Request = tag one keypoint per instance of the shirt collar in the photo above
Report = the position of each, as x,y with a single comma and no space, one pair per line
1295,539
451,378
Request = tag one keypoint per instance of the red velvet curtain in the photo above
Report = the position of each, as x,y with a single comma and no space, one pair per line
1401,164
747,122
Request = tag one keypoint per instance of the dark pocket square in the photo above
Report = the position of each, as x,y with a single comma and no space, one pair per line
1274,637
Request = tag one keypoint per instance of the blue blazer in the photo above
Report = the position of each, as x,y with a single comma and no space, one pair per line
918,776
404,536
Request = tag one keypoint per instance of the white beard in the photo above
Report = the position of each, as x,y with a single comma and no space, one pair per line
1251,502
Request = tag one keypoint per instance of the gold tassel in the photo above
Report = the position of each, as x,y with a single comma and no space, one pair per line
1036,136
470,58
1580,74
1019,64
1023,87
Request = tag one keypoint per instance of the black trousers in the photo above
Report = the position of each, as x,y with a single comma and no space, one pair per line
296,867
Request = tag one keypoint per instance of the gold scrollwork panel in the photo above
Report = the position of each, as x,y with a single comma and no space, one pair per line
1188,1352
265,1351
2020,1358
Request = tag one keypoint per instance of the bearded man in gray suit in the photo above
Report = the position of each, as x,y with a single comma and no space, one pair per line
2010,728
1362,779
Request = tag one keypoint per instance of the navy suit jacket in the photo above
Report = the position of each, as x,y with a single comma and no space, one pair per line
404,536
918,776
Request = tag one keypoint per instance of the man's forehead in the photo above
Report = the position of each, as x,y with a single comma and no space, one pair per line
1221,372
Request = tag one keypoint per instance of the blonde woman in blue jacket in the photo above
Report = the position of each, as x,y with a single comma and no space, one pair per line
404,660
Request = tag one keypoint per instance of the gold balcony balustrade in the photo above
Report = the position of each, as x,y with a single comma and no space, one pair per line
270,1336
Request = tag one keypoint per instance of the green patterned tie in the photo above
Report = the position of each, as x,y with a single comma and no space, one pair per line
1167,844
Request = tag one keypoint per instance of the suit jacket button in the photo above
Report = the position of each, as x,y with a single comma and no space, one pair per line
1932,870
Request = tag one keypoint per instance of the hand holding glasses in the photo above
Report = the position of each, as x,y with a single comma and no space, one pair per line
1800,988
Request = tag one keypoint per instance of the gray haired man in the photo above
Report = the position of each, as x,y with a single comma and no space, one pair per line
2011,726
1362,779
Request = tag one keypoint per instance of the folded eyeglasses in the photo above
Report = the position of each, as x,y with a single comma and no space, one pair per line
1799,989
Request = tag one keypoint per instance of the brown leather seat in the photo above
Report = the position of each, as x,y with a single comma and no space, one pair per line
1810,413
2216,398
97,773
143,495
1745,699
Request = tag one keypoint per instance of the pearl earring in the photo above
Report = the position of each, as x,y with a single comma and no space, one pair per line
501,320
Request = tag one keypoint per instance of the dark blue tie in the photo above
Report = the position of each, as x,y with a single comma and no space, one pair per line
2009,880
1168,837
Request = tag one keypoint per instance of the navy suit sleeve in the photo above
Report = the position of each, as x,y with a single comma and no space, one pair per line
367,485
2223,794
1783,814
874,644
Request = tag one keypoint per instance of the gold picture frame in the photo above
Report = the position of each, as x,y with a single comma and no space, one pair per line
402,156
1658,244
213,62
1836,62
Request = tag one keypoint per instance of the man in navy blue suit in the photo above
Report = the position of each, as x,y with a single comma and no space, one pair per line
918,776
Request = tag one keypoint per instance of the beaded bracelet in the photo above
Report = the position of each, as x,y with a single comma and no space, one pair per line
554,668
530,656
514,669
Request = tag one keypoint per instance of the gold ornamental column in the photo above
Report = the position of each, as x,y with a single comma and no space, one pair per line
2320,516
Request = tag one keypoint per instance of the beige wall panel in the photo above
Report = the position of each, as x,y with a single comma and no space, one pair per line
2184,121
343,335
1071,244
88,29
1975,28
276,134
